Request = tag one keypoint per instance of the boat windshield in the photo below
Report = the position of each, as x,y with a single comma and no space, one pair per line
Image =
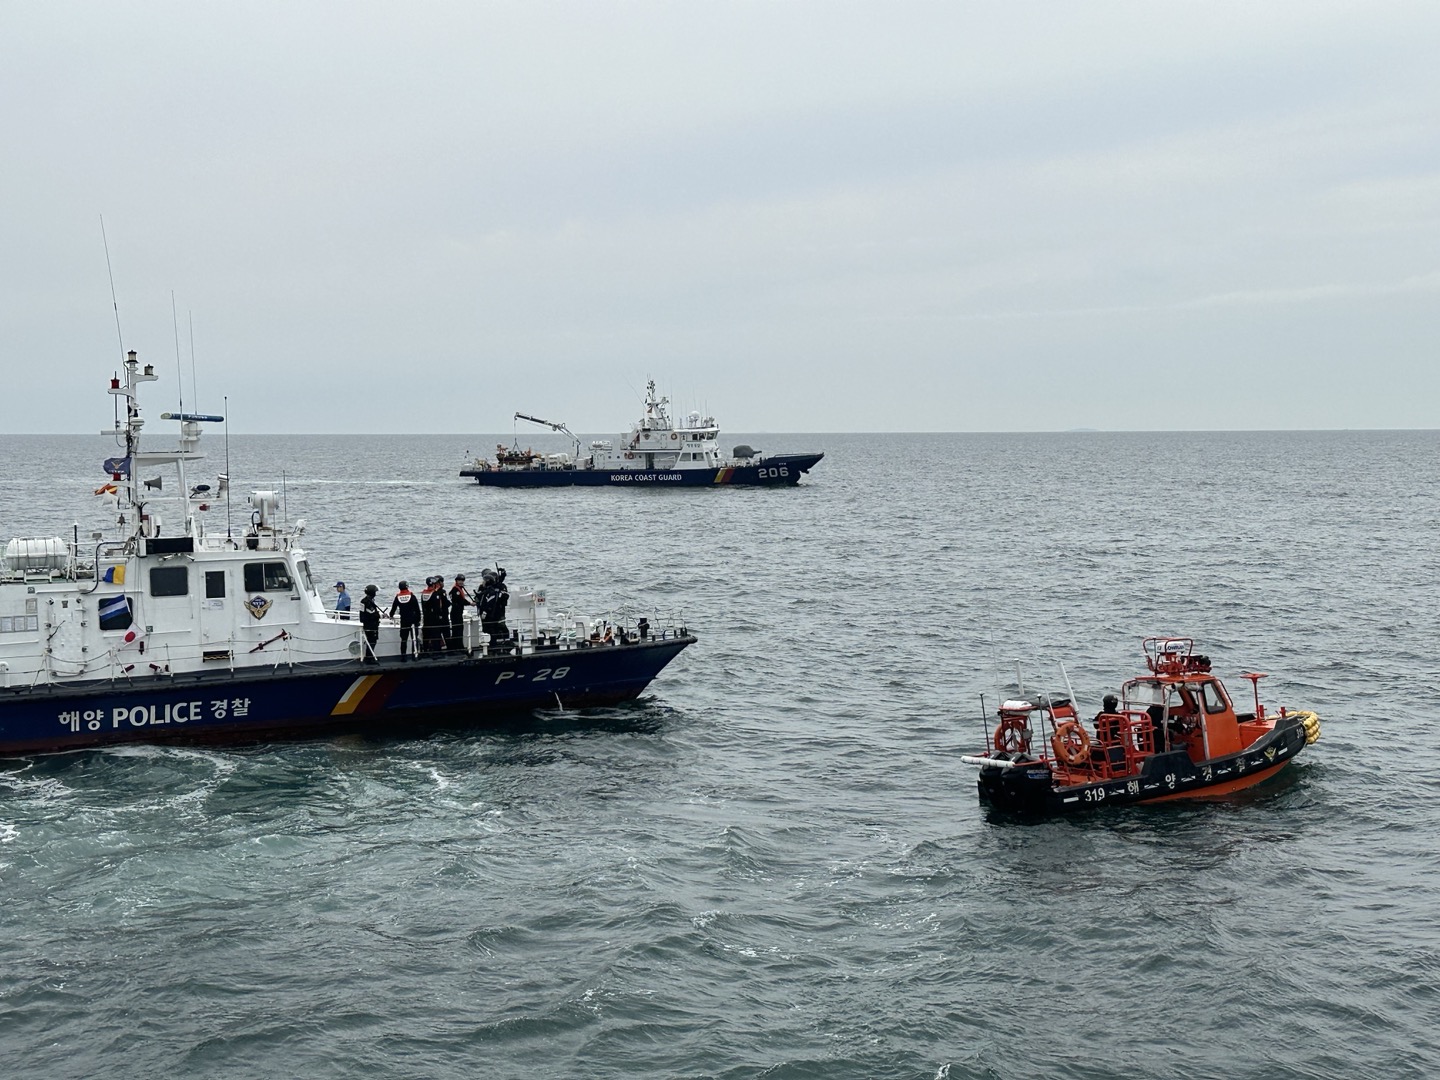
1143,692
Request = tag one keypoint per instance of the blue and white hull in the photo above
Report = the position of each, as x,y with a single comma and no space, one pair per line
778,470
655,452
306,700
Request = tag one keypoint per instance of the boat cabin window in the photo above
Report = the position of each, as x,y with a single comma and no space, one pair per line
267,577
306,582
1144,692
1214,697
169,580
214,584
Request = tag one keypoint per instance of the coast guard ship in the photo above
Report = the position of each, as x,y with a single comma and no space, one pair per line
171,632
653,452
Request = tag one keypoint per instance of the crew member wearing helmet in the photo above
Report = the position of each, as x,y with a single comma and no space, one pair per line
370,622
459,601
434,616
1107,728
409,610
491,601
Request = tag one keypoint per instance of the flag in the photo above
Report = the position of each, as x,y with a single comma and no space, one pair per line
107,489
115,613
115,575
116,466
134,636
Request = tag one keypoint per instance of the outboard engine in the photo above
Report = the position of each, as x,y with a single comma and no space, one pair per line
744,450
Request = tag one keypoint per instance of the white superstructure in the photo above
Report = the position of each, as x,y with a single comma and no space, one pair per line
168,594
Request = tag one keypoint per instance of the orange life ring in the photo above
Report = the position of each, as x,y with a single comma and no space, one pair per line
1011,735
1071,743
674,435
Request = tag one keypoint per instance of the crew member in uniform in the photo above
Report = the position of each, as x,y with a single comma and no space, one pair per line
370,622
459,601
1105,718
1107,732
434,616
409,611
491,601
342,600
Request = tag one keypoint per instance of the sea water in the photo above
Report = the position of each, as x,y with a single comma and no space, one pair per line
774,863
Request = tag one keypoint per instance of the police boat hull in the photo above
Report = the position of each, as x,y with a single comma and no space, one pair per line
779,470
313,699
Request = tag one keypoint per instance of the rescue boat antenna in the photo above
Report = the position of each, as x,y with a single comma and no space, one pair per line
1068,688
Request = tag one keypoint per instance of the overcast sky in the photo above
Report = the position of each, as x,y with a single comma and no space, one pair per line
802,216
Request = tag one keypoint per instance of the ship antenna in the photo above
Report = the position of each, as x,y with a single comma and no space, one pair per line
1070,688
113,303
180,390
179,369
228,535
194,388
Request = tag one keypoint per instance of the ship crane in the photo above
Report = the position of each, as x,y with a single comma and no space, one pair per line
553,427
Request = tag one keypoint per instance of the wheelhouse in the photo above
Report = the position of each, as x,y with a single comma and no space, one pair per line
1188,707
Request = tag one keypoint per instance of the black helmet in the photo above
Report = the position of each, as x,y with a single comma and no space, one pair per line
488,575
371,590
404,584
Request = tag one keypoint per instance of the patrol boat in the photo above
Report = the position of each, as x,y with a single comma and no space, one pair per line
1173,733
653,451
172,632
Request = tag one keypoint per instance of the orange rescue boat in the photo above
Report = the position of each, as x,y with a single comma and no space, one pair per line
1173,733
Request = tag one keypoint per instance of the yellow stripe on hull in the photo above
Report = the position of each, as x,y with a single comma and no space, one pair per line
356,694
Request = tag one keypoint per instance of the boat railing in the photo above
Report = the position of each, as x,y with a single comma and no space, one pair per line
1116,748
1113,746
